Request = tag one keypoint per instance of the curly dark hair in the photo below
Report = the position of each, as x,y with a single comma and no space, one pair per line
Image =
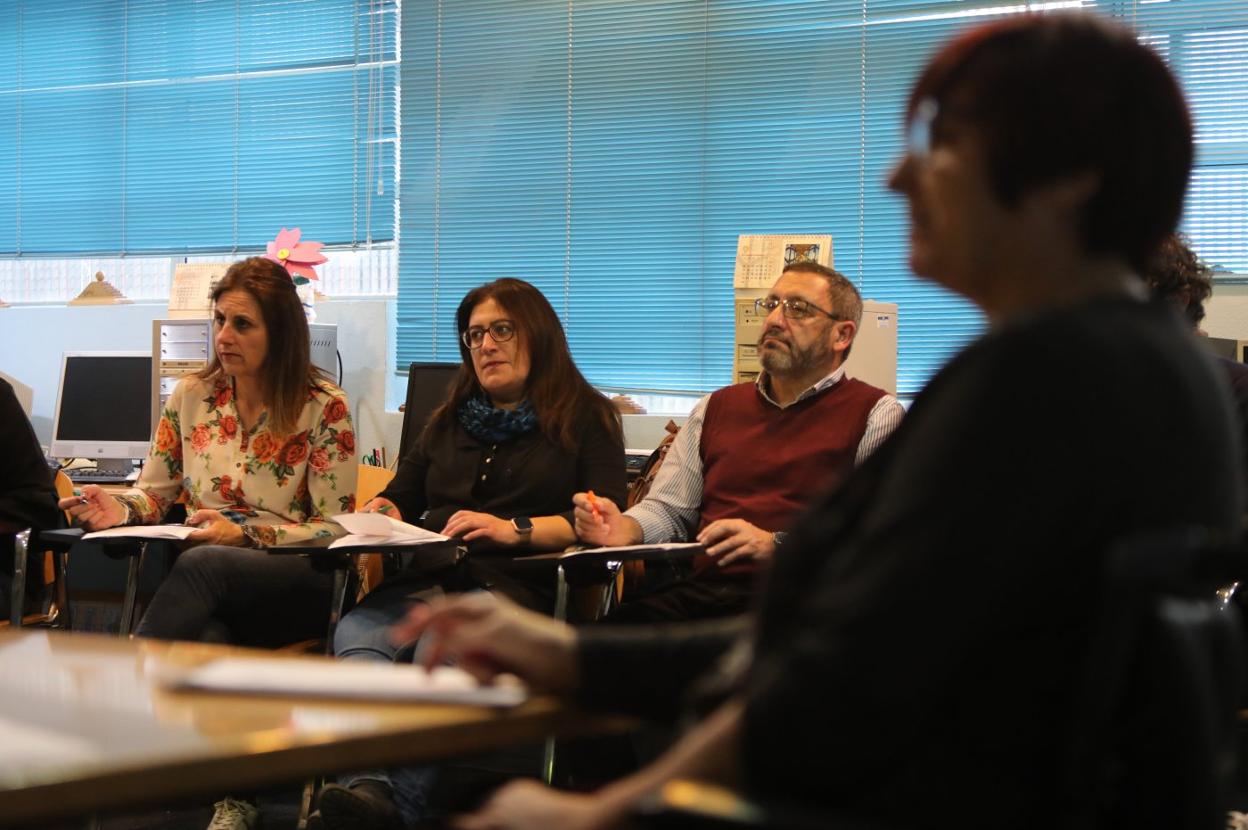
1176,273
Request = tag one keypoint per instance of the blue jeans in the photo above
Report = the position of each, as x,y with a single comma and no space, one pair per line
363,634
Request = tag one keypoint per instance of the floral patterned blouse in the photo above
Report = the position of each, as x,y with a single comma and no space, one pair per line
282,488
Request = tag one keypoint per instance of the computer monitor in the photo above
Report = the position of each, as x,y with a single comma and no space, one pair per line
427,387
323,345
104,409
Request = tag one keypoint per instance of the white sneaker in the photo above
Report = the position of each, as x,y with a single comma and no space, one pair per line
233,814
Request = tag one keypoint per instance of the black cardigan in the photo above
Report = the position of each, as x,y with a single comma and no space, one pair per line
27,498
448,470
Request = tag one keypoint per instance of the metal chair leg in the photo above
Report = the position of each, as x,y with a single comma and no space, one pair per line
548,762
17,593
126,628
337,601
561,594
305,803
562,591
60,564
608,592
561,613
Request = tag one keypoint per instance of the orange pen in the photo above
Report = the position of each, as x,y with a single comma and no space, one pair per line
593,505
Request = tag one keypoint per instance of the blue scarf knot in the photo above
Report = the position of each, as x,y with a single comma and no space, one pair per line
493,426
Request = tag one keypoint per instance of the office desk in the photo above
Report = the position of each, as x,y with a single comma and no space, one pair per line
86,727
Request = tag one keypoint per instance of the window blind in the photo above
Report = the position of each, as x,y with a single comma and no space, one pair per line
158,126
1207,46
611,153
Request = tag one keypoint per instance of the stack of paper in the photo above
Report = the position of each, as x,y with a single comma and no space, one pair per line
380,529
350,679
143,532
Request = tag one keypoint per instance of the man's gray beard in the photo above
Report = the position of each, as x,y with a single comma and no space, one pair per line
777,362
792,362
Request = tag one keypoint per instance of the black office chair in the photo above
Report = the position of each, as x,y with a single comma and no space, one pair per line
21,543
1153,738
427,387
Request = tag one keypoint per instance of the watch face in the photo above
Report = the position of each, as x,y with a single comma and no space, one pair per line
522,524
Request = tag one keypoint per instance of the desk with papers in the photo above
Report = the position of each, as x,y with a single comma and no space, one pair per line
89,724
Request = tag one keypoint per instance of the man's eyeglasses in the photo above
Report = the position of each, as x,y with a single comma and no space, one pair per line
794,309
500,332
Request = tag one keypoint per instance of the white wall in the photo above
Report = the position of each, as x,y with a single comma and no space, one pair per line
365,340
32,339
1226,313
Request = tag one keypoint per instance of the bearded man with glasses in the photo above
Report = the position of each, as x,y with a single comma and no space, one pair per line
753,455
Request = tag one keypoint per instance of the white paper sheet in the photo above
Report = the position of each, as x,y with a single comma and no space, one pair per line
350,679
380,529
143,532
671,547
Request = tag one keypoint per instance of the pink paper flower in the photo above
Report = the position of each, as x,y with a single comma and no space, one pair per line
298,257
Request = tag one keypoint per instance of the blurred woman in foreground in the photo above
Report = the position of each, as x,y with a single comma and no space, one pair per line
919,652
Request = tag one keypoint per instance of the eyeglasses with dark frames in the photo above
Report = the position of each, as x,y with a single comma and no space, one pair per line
500,331
794,308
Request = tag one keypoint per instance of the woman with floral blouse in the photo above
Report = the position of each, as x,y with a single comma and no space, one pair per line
261,446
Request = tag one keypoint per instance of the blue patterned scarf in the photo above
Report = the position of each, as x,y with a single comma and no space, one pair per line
493,426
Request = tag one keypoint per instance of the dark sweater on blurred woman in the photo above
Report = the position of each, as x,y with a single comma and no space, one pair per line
27,496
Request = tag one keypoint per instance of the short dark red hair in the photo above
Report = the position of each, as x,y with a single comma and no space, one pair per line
1062,94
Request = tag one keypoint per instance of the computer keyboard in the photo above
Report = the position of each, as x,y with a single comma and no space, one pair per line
94,477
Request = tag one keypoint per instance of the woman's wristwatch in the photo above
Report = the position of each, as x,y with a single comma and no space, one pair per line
251,537
523,526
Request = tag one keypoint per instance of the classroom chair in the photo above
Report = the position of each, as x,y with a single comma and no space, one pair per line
369,567
58,614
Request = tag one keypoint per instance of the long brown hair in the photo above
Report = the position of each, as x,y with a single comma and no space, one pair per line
287,371
557,390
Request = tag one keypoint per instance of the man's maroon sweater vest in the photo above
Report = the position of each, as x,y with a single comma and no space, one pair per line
764,464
